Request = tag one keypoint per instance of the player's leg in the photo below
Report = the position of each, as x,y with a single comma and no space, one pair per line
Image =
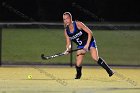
100,61
79,59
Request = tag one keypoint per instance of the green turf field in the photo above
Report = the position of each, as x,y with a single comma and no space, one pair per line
61,80
26,45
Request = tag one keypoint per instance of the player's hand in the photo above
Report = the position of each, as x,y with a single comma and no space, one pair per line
86,48
67,51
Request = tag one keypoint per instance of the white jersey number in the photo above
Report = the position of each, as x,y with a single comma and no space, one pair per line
79,41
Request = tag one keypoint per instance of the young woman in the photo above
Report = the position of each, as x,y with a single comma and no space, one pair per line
80,34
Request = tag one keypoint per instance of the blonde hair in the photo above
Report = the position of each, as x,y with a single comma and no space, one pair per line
67,13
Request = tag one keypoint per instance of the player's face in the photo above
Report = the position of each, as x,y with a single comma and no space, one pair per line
67,19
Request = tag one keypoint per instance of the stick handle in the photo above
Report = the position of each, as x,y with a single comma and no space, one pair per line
56,55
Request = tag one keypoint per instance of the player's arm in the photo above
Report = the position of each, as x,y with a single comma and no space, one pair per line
86,29
68,42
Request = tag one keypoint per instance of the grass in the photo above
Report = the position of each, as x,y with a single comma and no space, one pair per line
50,80
25,46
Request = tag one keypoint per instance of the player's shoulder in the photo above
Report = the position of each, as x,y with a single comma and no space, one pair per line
79,24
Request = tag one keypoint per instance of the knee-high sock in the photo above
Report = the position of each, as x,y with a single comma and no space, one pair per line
102,63
79,69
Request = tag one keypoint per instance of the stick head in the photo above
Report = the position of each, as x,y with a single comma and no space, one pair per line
45,57
42,56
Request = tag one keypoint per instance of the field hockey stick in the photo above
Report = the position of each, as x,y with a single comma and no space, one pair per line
57,55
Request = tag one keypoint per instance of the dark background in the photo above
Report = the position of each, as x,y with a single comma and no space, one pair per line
83,10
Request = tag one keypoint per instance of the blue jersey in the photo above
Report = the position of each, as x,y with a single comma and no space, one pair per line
78,36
